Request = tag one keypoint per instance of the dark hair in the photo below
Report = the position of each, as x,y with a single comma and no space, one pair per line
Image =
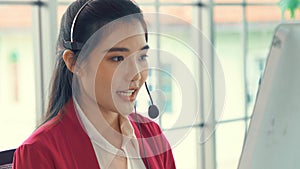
94,15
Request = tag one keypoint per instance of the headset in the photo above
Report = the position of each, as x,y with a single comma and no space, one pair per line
153,111
73,45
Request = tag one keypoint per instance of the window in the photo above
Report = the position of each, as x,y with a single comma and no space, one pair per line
24,71
242,42
17,77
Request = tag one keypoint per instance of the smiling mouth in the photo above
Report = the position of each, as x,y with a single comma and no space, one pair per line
128,95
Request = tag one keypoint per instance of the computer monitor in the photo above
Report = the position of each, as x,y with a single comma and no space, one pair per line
6,159
273,139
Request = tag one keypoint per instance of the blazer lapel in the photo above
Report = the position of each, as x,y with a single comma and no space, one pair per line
82,151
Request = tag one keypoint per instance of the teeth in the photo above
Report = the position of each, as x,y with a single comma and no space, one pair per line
126,92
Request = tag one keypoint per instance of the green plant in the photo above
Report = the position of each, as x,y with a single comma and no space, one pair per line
290,5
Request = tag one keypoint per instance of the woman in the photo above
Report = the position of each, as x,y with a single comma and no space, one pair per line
101,66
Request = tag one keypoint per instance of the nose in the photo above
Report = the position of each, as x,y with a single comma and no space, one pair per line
136,77
134,71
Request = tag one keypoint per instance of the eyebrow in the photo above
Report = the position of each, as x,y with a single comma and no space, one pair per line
116,49
145,47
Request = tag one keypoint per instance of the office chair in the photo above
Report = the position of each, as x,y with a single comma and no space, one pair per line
6,159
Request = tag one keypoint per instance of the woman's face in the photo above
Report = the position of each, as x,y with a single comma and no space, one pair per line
122,69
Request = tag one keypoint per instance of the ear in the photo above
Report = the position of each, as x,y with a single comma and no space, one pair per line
69,59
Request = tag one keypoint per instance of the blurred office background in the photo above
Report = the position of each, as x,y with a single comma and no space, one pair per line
240,31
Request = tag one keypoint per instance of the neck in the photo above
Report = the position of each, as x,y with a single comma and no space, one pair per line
105,121
111,118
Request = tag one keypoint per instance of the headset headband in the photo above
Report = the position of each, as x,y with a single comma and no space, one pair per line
73,45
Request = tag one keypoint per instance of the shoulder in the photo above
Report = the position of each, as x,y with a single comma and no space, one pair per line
52,141
45,132
35,148
156,144
41,145
43,139
53,129
148,126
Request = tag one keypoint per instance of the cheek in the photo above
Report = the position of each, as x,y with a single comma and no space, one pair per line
144,75
103,81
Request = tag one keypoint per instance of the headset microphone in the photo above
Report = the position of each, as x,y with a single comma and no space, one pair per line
153,111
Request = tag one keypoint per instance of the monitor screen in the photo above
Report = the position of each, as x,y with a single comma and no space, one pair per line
273,139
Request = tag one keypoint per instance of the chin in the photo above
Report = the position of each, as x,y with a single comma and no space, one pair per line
125,109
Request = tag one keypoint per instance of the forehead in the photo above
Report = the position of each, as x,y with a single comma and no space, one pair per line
123,32
129,34
132,43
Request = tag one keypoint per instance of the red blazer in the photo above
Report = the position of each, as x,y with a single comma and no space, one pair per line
62,143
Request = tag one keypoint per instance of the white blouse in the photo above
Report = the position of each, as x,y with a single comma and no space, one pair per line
106,152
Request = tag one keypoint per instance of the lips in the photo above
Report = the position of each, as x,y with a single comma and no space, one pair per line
128,95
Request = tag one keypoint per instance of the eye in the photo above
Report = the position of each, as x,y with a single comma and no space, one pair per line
117,58
143,57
